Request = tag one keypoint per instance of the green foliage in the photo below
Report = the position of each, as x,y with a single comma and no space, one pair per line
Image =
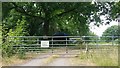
21,54
7,46
47,18
111,31
19,29
91,36
115,10
7,49
40,18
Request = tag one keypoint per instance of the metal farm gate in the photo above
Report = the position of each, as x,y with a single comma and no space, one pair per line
59,44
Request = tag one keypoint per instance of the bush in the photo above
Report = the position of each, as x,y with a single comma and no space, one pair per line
7,48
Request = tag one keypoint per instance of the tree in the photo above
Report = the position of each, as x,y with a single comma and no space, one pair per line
111,31
44,18
115,13
47,18
115,10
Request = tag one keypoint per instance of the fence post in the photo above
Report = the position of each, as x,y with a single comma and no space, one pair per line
23,44
80,47
66,45
86,47
96,42
52,44
112,40
22,40
37,40
84,42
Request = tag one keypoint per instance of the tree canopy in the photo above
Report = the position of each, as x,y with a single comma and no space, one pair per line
115,10
111,31
44,18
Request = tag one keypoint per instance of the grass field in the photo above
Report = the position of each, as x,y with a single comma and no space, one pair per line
103,56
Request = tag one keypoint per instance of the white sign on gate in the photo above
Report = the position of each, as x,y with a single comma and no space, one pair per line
44,43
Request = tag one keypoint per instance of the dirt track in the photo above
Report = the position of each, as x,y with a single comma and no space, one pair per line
63,59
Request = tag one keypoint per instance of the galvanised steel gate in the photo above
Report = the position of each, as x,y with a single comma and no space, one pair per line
59,44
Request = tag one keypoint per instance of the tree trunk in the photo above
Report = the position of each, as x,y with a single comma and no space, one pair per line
46,20
46,27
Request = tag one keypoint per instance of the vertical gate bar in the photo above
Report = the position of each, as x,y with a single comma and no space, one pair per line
80,44
32,49
66,45
96,42
24,47
84,43
37,44
38,40
23,44
52,44
7,39
86,47
22,40
112,40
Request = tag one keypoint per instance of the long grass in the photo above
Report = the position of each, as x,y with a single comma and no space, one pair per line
6,61
102,56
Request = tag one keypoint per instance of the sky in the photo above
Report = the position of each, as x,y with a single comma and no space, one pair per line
99,30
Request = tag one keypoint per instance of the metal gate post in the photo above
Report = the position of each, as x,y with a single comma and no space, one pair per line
52,44
37,40
66,45
112,40
86,47
84,43
80,46
23,44
96,42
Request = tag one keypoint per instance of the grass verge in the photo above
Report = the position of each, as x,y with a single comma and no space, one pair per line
103,56
14,60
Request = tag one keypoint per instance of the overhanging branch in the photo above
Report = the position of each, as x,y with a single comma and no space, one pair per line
65,12
21,10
